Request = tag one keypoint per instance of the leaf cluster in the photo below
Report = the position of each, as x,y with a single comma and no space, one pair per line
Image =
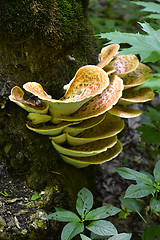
146,184
151,126
88,219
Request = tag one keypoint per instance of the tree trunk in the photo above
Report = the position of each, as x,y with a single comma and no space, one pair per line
46,42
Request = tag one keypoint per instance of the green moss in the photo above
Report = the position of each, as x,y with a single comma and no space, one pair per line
71,17
25,17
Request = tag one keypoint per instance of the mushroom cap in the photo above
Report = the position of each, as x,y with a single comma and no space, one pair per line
86,124
136,77
110,126
107,53
100,103
88,149
37,118
135,95
124,112
107,155
88,82
17,95
124,64
51,130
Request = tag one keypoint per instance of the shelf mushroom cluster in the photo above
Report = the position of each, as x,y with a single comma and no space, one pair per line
83,124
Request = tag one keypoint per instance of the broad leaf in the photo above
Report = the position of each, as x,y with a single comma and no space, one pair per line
155,204
102,228
130,174
131,204
149,234
156,172
83,237
71,230
149,6
149,134
102,212
121,236
139,191
84,202
64,216
147,46
153,83
95,236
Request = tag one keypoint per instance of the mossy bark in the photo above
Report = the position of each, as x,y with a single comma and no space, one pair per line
43,41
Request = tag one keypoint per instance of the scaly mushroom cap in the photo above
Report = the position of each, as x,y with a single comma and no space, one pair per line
124,64
124,112
88,149
136,77
81,162
134,95
50,129
17,95
107,53
86,124
110,126
87,83
100,103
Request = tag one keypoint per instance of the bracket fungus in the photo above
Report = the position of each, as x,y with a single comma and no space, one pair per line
83,124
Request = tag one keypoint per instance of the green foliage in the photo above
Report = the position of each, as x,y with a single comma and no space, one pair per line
150,127
35,196
150,233
99,228
5,194
146,183
146,45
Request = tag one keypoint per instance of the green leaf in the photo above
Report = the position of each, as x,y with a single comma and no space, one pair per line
84,202
130,174
95,236
64,216
153,113
149,134
149,6
149,234
153,83
156,171
83,237
102,212
155,204
121,236
102,228
71,230
139,191
131,204
35,197
144,45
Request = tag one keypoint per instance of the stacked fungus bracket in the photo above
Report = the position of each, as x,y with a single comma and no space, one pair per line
83,124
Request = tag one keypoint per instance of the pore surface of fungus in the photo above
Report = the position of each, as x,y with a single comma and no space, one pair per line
83,124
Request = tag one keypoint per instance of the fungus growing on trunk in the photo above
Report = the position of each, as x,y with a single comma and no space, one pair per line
83,124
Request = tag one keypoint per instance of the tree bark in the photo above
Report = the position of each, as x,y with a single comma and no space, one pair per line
46,42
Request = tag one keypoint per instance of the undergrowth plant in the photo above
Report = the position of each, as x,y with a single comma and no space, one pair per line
88,221
146,184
